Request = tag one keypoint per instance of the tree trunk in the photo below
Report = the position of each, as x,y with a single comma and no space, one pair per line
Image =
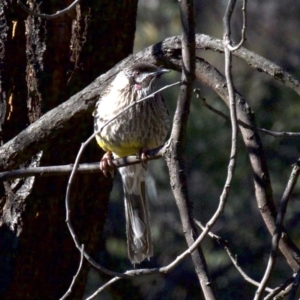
44,62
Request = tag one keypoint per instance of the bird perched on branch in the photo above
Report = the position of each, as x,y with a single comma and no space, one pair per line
144,126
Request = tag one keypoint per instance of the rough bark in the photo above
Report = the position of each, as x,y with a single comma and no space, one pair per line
38,256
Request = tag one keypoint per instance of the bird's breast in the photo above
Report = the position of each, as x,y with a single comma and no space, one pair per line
144,125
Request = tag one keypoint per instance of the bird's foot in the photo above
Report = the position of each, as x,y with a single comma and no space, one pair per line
106,164
142,155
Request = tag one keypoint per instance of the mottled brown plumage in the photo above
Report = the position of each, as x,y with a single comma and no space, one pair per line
144,126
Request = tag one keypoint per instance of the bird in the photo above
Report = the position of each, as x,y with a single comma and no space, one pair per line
142,127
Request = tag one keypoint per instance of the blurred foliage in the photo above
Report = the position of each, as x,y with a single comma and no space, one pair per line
273,33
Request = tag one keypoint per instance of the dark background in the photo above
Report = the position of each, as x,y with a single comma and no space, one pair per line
272,32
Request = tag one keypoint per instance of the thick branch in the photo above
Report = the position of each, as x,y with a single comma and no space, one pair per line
278,230
254,60
41,133
175,151
263,190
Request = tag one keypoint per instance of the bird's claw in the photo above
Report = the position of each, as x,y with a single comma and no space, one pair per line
142,155
106,164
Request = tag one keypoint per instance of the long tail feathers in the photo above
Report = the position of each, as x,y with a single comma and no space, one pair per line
137,214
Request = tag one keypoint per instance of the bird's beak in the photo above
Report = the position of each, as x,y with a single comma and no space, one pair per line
160,72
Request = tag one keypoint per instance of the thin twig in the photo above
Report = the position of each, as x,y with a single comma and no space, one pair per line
232,104
82,168
278,290
243,39
233,117
275,134
284,293
75,276
278,229
241,271
72,231
224,243
295,286
46,16
272,292
113,280
68,211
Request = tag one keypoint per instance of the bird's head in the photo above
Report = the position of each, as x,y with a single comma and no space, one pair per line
142,76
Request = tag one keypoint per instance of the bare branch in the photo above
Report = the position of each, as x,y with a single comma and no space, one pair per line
224,243
241,271
68,212
82,168
41,133
280,289
243,39
295,286
175,151
75,276
233,117
143,272
275,134
103,287
46,16
254,60
263,190
272,292
278,230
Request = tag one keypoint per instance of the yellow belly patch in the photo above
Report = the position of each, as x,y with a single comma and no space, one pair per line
126,149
